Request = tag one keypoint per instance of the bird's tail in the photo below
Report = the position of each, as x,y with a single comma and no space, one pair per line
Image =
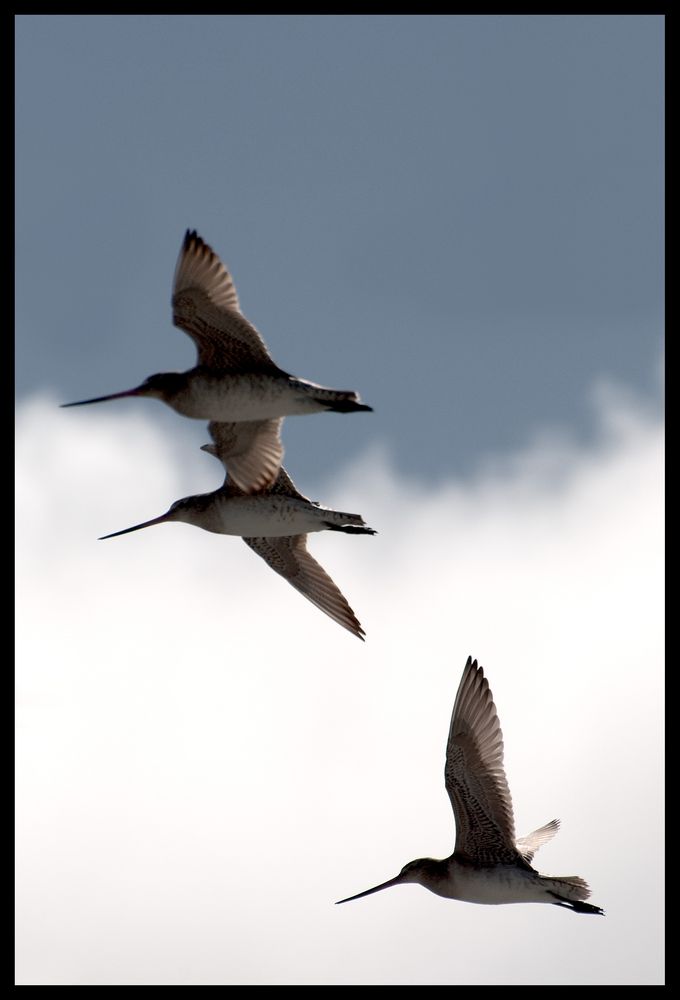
351,529
570,891
353,524
344,405
337,400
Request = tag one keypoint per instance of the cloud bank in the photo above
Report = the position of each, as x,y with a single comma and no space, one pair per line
205,762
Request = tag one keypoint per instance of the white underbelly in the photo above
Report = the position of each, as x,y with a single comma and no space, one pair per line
230,398
269,516
494,886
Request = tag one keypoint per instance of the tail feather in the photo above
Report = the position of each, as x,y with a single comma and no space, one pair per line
570,891
351,529
338,400
344,405
567,886
342,517
576,905
353,524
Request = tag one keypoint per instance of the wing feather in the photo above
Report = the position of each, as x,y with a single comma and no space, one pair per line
474,774
250,451
205,305
288,556
527,846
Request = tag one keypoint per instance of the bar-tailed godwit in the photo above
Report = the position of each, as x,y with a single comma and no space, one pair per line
488,864
235,378
275,524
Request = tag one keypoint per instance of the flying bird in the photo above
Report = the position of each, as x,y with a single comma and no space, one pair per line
488,864
275,524
235,378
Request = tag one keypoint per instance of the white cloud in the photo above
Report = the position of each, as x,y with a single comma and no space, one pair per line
205,762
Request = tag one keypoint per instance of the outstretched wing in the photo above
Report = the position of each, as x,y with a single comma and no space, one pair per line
250,451
288,556
205,305
474,775
527,846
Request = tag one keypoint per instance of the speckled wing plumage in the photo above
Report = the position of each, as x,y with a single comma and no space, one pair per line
205,305
250,450
288,556
474,775
285,485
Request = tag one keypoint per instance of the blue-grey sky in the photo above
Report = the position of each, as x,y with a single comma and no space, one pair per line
461,218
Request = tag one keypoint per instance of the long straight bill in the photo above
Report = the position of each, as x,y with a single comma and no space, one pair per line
136,527
367,892
103,399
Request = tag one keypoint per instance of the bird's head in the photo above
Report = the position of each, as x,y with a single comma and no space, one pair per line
421,871
163,385
181,510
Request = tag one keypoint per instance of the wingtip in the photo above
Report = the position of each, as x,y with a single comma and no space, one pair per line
353,626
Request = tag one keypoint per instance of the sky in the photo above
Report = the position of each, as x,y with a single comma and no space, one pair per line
461,218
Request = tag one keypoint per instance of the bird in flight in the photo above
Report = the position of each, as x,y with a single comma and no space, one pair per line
275,523
235,378
488,864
